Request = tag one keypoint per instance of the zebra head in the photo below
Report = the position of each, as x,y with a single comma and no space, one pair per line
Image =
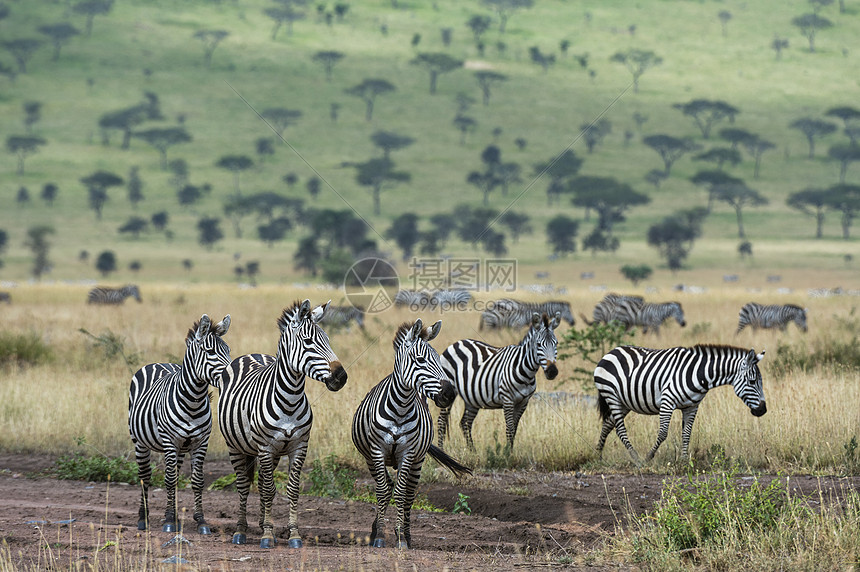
306,346
677,312
800,318
748,383
417,364
131,291
206,353
566,313
543,340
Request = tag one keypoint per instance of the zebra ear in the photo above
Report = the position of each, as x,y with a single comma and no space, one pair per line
203,327
222,326
758,357
414,332
556,320
301,313
434,330
536,319
319,312
751,358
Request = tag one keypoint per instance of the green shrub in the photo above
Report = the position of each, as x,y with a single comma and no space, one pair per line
23,349
328,478
98,467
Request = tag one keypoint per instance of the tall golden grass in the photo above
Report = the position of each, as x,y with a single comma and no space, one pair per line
81,393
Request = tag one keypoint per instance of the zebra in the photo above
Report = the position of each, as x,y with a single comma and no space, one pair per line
447,300
415,300
489,377
772,316
6,297
393,426
264,413
656,382
168,412
509,313
651,316
113,296
341,316
618,307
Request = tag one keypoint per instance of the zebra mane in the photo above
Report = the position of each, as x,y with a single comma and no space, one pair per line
793,307
404,329
718,347
288,314
192,333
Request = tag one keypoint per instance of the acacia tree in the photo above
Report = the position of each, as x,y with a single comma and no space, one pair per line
593,133
389,141
209,229
561,231
436,64
720,156
809,24
97,185
637,273
757,146
811,202
670,148
706,113
22,50
49,193
210,39
376,174
59,34
505,8
845,154
464,125
404,232
283,13
486,80
235,164
637,63
846,200
128,118
812,129
328,59
135,187
560,170
279,118
674,236
608,197
106,263
847,114
134,226
307,256
711,181
90,9
368,90
517,224
23,146
735,136
739,196
38,243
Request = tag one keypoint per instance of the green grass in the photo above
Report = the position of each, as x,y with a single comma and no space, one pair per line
544,108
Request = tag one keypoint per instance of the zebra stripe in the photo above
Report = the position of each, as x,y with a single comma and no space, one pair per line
168,412
264,414
416,300
393,426
424,300
651,316
509,313
772,316
113,296
341,316
488,377
447,300
617,307
656,382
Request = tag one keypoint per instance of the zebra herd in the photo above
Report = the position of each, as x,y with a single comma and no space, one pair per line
264,414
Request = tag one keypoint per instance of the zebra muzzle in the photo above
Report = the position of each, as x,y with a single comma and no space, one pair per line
550,370
338,377
760,410
446,396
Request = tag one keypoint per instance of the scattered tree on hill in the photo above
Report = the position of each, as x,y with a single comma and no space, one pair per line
848,115
160,220
443,225
540,58
706,113
22,50
473,223
265,147
593,133
284,13
609,197
517,224
811,202
757,146
712,181
279,118
164,138
637,273
134,187
90,9
436,64
724,16
210,39
560,170
187,264
670,148
404,232
812,129
486,80
464,125
23,146
32,114
377,174
127,119
368,90
191,194
236,208
274,230
809,25
739,196
656,177
23,196
846,200
720,156
494,243
561,232
845,154
745,249
674,236
106,263
328,59
600,241
37,242
307,256
134,226
508,174
637,63
235,164
135,266
389,141
506,8
478,24
777,45
735,136
340,230
314,185
49,193
486,182
97,185
209,229
59,34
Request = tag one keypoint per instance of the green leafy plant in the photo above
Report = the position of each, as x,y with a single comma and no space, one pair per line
113,345
98,467
499,455
329,478
461,506
23,349
591,344
852,459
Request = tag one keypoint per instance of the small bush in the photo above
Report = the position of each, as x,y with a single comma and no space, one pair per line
23,349
823,353
328,478
98,467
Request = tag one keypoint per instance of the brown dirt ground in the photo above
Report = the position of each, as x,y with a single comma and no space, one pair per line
520,520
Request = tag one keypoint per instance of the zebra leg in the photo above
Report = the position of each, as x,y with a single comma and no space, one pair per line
621,430
197,458
408,474
297,461
376,465
687,430
469,415
266,486
608,425
442,424
244,467
144,478
513,413
170,476
666,410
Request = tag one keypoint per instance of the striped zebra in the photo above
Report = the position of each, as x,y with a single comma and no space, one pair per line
264,414
342,316
616,307
447,300
509,313
771,316
415,300
651,316
488,377
656,382
113,296
168,412
393,426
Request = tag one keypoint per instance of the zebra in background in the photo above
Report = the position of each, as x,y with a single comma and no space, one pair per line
113,296
342,316
618,307
447,300
168,412
416,300
772,316
6,297
509,313
264,413
656,382
489,377
393,426
651,316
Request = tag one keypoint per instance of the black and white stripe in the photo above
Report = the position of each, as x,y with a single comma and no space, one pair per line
771,316
392,426
343,316
169,412
509,313
651,316
415,300
113,296
617,307
657,382
264,414
488,377
448,300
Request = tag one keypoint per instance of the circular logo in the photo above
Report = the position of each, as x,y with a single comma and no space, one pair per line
371,284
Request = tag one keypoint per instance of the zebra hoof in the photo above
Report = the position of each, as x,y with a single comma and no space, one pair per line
203,529
239,538
169,527
267,543
141,525
402,545
378,543
295,543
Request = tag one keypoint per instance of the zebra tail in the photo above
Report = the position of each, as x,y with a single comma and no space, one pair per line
584,319
444,458
603,408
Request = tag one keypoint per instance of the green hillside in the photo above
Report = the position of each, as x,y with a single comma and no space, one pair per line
150,46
